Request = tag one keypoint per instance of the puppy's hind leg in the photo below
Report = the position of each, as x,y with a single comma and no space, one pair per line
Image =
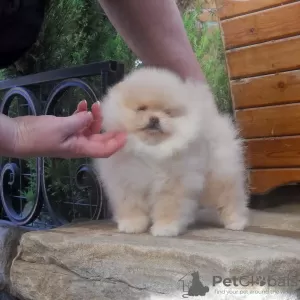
229,197
225,186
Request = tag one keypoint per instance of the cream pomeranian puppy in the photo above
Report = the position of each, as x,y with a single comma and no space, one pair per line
180,154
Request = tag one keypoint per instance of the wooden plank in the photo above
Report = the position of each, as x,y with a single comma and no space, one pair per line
266,58
273,152
275,23
263,181
231,8
272,89
269,121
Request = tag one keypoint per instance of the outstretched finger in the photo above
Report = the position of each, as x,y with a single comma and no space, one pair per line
82,106
76,123
95,127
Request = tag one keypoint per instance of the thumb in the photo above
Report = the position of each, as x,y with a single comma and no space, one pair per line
76,122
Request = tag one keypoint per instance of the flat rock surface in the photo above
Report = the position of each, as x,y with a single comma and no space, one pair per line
93,261
280,221
284,223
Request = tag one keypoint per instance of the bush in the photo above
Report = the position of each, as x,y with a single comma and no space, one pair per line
208,46
75,32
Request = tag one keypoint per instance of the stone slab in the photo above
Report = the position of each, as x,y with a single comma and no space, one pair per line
93,261
280,221
9,241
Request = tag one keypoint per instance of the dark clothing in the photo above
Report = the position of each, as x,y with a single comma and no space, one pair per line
20,24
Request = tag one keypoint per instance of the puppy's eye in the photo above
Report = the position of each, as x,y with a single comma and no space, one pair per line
141,108
173,112
169,112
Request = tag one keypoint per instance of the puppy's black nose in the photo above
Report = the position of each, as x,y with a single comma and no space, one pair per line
154,123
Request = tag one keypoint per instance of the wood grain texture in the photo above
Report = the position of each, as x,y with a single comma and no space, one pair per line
269,121
231,8
272,89
266,58
275,23
263,181
273,152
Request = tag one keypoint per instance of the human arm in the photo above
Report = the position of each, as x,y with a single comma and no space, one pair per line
64,137
155,32
8,135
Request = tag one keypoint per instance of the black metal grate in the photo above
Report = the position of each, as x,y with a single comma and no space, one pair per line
46,192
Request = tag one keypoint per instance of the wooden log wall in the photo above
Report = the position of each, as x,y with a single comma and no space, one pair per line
262,43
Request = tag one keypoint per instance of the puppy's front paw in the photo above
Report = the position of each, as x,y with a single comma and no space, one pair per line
134,225
167,229
238,224
234,220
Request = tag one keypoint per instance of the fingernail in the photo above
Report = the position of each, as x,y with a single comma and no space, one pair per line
98,102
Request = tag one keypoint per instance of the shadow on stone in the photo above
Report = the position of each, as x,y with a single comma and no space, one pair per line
9,240
5,296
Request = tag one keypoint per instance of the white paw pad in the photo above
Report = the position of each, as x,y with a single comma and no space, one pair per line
171,229
136,225
237,225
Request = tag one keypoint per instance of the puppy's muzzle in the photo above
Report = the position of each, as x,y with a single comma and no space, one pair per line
154,124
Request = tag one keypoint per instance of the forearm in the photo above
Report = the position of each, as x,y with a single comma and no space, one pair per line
20,137
8,136
155,32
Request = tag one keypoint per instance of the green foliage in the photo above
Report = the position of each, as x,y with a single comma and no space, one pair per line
75,32
2,74
209,50
78,32
29,190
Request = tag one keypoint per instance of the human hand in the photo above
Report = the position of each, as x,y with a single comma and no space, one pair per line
75,136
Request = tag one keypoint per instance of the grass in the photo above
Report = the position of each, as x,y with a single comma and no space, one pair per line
208,47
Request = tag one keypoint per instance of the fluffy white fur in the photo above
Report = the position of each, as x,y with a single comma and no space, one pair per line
162,175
